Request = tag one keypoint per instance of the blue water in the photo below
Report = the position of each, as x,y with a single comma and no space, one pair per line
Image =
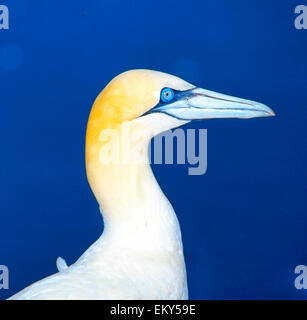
244,222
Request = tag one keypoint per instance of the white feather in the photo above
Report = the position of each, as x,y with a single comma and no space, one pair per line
61,264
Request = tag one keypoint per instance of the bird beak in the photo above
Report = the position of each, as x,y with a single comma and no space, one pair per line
199,103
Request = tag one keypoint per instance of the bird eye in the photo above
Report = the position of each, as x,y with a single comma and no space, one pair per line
167,95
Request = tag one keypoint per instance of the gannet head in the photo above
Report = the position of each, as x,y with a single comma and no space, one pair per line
154,102
160,101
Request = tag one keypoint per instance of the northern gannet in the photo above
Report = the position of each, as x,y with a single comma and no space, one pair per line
139,255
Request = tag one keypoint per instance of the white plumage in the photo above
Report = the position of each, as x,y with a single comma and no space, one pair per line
140,253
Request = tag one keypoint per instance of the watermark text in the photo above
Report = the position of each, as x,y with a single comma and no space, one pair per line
126,145
301,280
4,277
4,17
301,20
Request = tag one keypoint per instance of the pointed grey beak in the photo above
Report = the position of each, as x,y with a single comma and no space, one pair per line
199,103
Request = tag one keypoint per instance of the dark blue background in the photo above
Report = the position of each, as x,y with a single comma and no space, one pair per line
244,222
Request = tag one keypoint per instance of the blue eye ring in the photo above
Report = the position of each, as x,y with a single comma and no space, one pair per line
167,95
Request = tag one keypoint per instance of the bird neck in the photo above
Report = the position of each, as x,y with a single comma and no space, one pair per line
136,212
